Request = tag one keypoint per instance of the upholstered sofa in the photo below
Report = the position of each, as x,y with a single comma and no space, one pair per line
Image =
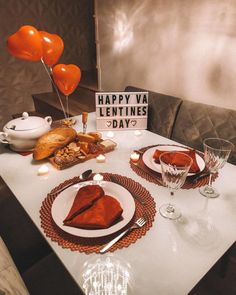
181,120
188,122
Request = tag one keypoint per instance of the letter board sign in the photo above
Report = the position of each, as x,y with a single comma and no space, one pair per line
121,110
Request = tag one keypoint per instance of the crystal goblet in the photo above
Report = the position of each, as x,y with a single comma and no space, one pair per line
174,174
216,154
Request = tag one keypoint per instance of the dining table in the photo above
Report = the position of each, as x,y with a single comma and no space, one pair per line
171,256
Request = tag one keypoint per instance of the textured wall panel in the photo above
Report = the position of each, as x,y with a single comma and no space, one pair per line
72,20
184,48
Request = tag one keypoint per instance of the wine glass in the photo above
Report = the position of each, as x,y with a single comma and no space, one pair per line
216,153
174,167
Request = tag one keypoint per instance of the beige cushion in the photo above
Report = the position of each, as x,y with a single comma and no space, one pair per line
11,282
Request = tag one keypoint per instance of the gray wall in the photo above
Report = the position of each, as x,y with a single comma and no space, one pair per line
185,48
72,20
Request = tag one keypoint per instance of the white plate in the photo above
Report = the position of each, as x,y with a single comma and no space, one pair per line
150,162
64,201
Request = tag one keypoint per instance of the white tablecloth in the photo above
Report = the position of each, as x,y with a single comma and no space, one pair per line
174,255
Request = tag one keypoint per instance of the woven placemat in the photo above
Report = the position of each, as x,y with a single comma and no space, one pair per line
24,153
90,245
152,176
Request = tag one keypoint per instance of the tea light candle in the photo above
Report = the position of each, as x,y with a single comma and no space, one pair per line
137,133
98,178
110,134
101,158
43,170
134,157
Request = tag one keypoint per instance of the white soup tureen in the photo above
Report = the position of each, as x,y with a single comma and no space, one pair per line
22,133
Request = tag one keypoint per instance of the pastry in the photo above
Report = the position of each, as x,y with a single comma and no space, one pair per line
89,137
96,135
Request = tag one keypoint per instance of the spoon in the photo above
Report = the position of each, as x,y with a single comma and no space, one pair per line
83,176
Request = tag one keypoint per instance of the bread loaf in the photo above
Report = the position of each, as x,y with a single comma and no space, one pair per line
53,140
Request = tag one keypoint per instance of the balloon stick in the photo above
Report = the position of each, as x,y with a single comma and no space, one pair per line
58,94
67,106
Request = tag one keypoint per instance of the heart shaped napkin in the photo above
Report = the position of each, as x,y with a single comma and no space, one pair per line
84,199
93,209
178,159
102,214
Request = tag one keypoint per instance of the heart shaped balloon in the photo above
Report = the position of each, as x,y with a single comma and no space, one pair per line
52,47
66,77
25,44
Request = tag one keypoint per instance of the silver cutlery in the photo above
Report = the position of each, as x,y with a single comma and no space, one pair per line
139,152
84,176
198,177
143,150
139,223
84,121
139,199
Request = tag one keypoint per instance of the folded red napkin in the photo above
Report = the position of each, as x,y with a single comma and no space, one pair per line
102,214
85,197
178,159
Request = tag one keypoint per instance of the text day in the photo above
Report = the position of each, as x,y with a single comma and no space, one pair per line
123,123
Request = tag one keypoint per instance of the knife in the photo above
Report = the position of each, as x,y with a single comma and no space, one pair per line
84,121
198,177
138,198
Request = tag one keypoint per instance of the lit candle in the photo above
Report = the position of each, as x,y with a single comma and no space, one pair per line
110,134
137,133
43,170
101,158
98,178
134,157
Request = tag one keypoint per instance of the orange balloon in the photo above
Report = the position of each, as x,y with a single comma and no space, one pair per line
25,44
52,47
66,77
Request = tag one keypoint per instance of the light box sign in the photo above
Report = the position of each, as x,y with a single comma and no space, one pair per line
121,110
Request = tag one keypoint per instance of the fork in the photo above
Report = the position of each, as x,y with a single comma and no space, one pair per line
138,223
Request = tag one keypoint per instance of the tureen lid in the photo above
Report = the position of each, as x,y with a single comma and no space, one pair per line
25,122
